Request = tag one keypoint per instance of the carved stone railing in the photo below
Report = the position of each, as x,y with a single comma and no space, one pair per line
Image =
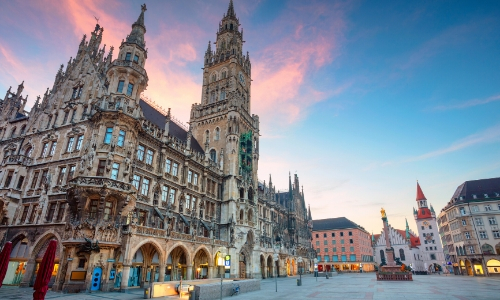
17,160
102,182
129,63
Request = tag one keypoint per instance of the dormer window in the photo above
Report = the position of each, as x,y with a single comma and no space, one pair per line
136,59
128,55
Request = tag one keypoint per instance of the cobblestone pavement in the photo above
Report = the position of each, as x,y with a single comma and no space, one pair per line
344,286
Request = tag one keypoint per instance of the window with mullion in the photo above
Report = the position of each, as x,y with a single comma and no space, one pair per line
168,165
108,135
164,193
121,138
62,173
130,89
149,156
114,171
121,83
136,181
71,141
93,209
101,167
140,152
79,142
145,186
53,148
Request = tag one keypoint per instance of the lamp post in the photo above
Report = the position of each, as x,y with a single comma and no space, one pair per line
300,269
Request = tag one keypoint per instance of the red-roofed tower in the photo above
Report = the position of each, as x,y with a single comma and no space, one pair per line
425,218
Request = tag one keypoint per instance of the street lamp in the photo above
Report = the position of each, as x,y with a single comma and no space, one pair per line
300,270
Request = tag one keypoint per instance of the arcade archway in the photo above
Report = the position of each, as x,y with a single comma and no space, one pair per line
200,264
177,264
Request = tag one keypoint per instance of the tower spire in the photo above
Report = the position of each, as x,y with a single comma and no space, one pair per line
230,9
420,194
136,36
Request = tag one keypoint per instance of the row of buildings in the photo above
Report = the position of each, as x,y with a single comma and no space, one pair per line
133,196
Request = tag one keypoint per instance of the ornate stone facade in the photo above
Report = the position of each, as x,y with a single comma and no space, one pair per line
129,193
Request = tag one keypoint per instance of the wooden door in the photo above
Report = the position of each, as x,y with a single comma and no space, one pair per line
242,270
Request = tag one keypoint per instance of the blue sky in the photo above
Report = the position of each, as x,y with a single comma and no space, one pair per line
360,98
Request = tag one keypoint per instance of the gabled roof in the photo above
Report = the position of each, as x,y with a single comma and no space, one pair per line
334,223
157,118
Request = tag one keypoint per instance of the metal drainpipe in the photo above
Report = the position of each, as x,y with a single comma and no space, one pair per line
479,242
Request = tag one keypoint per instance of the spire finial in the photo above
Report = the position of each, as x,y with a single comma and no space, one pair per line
230,9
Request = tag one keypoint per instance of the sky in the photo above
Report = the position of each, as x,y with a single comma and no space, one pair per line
360,98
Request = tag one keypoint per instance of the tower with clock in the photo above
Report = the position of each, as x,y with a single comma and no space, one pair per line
431,248
223,122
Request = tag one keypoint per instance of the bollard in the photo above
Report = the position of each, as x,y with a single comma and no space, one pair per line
192,295
327,276
146,293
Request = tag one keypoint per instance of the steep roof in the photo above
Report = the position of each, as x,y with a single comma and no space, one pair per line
157,118
476,189
334,223
420,194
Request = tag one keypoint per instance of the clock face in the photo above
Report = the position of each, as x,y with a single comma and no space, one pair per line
426,223
242,78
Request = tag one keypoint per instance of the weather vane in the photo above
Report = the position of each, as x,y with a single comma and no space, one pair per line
97,19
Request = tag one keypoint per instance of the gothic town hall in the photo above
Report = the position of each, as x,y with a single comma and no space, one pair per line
128,191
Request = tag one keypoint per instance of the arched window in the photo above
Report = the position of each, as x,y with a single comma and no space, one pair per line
207,136
28,152
217,133
250,193
213,155
487,249
223,94
23,129
231,26
242,216
13,132
214,78
250,215
242,193
402,254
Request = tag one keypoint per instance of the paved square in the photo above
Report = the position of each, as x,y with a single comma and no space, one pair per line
345,286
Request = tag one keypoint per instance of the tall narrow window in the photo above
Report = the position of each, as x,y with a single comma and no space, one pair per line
168,164
190,176
193,203
25,213
164,193
195,179
34,180
223,94
108,135
75,92
140,152
94,203
65,118
128,55
121,83
71,172
60,212
29,152
217,133
145,186
130,88
171,196
100,168
53,148
44,149
114,171
213,155
23,129
62,174
9,179
43,180
136,59
188,201
79,142
80,90
121,138
175,169
149,156
71,141
50,213
136,181
108,209
73,112
33,213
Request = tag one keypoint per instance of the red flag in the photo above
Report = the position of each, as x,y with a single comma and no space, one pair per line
4,260
45,272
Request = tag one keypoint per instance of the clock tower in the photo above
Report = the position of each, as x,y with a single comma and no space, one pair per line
222,122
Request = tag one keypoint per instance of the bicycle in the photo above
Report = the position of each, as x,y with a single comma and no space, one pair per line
236,290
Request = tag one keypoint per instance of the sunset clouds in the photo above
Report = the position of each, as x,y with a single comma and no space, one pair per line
360,98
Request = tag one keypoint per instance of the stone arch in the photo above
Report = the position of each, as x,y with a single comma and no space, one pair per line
153,242
201,262
497,248
37,253
269,266
263,266
493,266
178,260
